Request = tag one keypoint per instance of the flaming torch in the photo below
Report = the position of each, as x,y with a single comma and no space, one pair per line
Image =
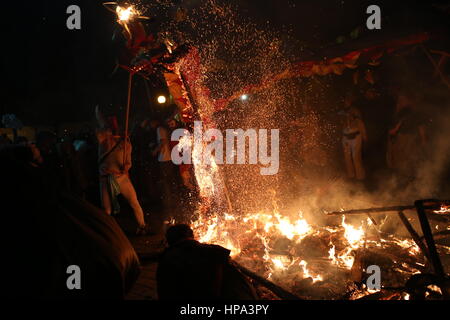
125,15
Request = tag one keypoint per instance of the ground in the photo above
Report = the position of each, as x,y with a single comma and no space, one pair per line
147,247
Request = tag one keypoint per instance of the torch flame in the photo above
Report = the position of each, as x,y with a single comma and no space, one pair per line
126,14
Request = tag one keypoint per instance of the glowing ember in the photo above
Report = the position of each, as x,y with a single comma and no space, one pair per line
443,210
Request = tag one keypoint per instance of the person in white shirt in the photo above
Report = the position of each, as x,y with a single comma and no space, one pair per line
167,169
353,136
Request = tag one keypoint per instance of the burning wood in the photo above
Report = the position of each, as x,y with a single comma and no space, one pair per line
316,262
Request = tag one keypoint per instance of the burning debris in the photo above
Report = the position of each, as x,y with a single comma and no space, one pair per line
289,254
316,262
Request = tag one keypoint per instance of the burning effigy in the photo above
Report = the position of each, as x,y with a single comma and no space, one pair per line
310,252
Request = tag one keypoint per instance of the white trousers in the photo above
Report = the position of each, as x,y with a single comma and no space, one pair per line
353,157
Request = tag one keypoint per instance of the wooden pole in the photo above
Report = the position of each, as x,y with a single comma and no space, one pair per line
435,206
127,117
414,235
372,210
426,230
280,292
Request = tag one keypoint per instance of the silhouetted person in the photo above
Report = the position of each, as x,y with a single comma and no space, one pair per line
167,170
192,270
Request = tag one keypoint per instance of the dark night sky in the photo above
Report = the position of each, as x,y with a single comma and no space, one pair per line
53,74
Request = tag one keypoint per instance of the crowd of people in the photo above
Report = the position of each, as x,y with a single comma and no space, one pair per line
48,181
99,164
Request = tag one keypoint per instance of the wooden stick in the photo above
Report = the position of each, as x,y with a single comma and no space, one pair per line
372,210
414,235
426,229
280,292
127,116
437,206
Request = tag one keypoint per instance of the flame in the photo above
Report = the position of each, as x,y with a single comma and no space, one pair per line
332,254
300,228
281,263
346,259
354,236
278,263
126,14
444,209
306,273
236,232
206,174
408,244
